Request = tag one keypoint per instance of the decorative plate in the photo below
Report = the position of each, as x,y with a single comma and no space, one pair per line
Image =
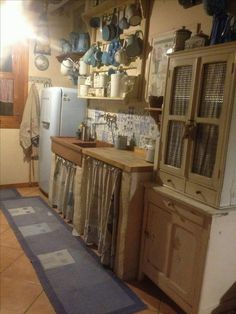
41,62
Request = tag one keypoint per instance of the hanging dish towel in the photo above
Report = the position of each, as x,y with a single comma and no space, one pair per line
29,128
6,91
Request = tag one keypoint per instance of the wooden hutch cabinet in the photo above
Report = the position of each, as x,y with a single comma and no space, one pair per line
189,222
197,132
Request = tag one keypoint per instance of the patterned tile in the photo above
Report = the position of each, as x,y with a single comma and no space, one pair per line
55,259
34,229
130,122
21,211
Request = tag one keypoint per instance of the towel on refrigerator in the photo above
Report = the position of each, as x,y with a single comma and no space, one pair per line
29,128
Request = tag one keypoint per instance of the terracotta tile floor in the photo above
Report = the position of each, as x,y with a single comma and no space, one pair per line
21,291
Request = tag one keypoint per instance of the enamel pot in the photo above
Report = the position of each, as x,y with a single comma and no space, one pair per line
110,31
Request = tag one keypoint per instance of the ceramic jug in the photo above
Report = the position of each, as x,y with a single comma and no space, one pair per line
83,68
121,84
89,55
116,84
74,41
83,42
134,44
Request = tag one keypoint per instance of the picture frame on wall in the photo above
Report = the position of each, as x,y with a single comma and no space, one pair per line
42,47
161,46
42,42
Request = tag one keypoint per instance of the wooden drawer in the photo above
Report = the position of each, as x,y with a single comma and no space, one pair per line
67,153
171,181
177,207
201,193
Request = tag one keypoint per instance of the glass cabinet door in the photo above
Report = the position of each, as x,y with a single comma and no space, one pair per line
13,84
206,145
177,112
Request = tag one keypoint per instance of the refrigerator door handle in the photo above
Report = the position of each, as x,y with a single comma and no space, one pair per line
46,124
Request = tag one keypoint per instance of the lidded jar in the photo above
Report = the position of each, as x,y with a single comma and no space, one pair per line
181,35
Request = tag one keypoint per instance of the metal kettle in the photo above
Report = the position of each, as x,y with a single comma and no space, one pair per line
85,132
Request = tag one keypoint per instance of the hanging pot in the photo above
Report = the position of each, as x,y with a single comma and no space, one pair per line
95,22
109,31
133,14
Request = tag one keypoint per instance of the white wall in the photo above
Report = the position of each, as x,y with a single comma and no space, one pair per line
13,168
168,16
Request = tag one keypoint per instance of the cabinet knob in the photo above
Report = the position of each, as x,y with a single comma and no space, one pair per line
169,204
198,192
169,180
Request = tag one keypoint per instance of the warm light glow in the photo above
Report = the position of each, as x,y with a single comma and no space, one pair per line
14,26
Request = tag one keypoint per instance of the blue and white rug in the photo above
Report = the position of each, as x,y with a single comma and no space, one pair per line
72,276
6,194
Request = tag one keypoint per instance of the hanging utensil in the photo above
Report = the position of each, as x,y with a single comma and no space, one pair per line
123,23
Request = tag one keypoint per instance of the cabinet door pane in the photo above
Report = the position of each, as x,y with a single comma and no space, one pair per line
205,149
181,90
212,90
6,97
174,151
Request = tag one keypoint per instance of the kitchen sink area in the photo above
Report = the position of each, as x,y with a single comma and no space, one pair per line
133,170
70,148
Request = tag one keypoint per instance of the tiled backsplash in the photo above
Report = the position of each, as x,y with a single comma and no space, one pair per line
129,122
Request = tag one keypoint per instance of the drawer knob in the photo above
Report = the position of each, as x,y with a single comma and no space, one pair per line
168,180
198,192
169,204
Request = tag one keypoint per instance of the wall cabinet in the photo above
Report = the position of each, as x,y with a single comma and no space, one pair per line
187,250
198,125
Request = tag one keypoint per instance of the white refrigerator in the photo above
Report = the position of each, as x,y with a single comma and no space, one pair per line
61,114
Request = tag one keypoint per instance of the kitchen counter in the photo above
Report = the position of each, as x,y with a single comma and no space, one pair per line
125,160
64,147
72,149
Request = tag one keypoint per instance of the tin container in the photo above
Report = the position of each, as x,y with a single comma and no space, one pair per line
121,142
181,36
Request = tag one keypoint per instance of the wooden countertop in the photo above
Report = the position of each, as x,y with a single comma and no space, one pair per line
126,160
72,142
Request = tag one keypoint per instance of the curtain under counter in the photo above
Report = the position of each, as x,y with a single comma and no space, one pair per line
97,207
61,186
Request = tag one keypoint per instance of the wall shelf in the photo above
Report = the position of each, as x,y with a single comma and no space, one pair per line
155,113
136,67
107,6
104,98
75,56
153,109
